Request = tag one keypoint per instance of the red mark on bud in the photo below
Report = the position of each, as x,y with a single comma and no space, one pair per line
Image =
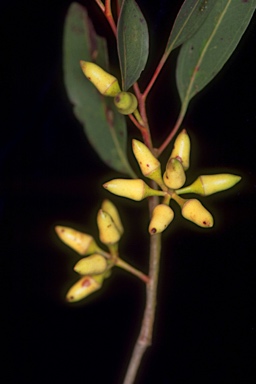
86,282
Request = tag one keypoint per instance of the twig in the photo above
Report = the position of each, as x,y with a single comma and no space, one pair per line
145,337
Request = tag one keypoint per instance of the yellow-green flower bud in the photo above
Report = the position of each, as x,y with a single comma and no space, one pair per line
91,265
149,165
84,287
194,211
181,149
81,242
174,176
135,189
162,216
206,185
125,103
110,208
106,84
108,232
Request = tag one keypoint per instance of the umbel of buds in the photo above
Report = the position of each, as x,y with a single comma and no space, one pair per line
171,184
96,266
106,84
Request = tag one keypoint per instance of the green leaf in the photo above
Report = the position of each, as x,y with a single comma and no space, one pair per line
104,127
189,19
132,43
203,56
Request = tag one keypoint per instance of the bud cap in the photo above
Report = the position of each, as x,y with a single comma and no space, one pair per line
194,211
106,83
84,287
108,232
161,217
135,189
82,243
181,149
91,265
111,209
174,176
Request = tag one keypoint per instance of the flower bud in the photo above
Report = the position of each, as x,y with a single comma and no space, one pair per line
194,211
110,208
91,265
135,189
108,232
206,185
149,165
161,217
106,84
81,242
84,287
174,176
181,149
125,103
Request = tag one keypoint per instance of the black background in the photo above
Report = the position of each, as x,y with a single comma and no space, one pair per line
205,325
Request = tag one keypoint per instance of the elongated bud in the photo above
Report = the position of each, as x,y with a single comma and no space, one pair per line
84,287
181,149
149,165
206,185
91,265
162,216
194,211
106,84
110,208
174,176
125,103
135,189
108,232
81,242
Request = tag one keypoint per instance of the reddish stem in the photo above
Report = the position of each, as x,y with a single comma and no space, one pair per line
109,16
154,77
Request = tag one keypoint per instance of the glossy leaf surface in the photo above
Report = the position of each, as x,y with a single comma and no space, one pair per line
104,127
132,43
189,19
205,53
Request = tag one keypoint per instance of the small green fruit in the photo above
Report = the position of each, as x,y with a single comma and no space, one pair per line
126,103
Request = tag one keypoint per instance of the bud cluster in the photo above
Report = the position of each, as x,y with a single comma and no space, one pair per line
170,184
97,263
